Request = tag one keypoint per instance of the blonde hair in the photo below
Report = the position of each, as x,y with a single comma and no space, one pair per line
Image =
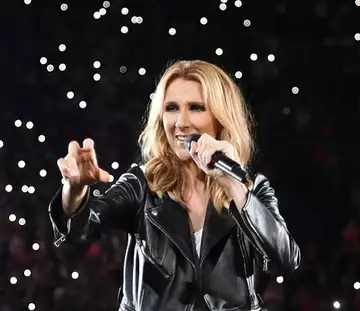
163,169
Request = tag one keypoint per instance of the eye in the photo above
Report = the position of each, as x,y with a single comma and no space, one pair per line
171,107
197,107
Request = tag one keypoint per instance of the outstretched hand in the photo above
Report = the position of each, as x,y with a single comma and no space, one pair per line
79,167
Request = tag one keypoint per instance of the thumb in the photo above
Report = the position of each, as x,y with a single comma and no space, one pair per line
104,176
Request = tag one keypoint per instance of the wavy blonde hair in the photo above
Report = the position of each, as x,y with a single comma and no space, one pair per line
163,169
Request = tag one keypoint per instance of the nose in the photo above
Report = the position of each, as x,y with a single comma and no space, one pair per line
182,119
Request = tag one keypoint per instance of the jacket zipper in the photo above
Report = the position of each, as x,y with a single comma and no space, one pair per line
258,247
150,259
190,306
244,254
261,250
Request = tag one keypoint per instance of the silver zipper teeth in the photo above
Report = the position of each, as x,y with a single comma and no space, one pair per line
259,247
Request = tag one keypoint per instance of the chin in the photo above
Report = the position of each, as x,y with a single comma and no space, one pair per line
183,155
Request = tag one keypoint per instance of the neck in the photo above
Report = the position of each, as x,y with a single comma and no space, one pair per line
195,181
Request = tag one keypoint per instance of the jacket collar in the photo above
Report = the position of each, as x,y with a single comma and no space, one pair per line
171,218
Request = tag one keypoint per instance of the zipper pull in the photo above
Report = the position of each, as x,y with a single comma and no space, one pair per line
61,240
265,263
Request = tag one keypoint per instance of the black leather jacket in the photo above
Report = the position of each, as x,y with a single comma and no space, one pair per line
161,268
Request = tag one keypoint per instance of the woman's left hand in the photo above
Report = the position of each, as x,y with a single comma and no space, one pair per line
203,150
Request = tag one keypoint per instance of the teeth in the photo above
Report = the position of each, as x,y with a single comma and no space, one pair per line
181,137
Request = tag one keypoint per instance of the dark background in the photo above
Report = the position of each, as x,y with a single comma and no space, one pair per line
307,142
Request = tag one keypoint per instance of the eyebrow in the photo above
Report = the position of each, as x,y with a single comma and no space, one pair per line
201,103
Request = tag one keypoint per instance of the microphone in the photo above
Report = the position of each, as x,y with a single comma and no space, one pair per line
220,161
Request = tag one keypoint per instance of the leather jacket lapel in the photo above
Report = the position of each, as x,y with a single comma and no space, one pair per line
171,218
217,226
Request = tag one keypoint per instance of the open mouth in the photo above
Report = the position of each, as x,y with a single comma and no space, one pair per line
181,137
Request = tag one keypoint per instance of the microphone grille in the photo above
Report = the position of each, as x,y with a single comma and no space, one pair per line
189,138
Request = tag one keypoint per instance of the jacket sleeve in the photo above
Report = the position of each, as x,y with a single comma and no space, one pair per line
260,220
115,209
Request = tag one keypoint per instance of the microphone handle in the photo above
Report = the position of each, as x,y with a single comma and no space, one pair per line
220,161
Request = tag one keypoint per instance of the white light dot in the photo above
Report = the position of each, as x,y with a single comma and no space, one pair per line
336,305
50,68
41,138
97,64
140,20
27,272
97,77
357,36
8,188
253,57
219,51
357,2
124,11
96,193
279,279
106,4
238,74
112,178
29,125
75,275
24,188
1,143
64,7
247,23
43,60
295,90
134,19
203,21
27,1
31,306
123,69
62,47
13,280
62,67
142,71
97,15
21,164
223,1
152,96
31,189
36,246
18,123
172,31
271,57
82,104
22,222
357,285
102,11
238,3
124,29
222,6
12,217
115,165
43,173
70,95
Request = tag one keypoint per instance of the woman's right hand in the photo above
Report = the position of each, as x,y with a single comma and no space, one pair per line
79,168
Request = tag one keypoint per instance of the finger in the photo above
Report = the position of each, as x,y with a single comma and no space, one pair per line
64,170
104,176
88,143
72,165
73,148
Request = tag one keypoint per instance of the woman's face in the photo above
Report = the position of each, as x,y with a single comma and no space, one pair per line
185,112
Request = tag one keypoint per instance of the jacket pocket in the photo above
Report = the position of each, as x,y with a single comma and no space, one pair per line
150,259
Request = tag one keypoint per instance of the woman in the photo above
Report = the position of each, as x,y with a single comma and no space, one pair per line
198,239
